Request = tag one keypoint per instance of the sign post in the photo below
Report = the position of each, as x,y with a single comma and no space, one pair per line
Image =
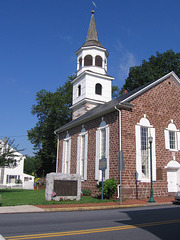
102,167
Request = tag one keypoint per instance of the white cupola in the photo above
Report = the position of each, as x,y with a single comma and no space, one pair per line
92,86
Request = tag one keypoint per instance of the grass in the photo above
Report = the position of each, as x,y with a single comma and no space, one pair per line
14,197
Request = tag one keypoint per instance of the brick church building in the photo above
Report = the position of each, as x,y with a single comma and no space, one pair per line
102,127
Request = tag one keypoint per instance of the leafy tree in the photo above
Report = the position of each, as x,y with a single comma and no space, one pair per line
52,111
115,91
9,154
31,165
156,67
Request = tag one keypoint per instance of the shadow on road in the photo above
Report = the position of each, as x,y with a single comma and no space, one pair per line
163,221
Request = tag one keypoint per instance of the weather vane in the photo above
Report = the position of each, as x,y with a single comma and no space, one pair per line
94,5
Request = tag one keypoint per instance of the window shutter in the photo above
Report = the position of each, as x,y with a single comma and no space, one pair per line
97,156
178,140
85,160
78,155
166,134
64,149
69,156
138,153
153,154
107,153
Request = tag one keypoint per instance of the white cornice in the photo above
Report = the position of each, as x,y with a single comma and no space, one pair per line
87,72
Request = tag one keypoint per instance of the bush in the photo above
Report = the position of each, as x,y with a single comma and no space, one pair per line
109,187
86,192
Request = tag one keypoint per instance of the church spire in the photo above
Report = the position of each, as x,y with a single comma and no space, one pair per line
92,36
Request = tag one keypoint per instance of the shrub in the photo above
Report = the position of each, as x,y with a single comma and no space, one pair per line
109,187
86,192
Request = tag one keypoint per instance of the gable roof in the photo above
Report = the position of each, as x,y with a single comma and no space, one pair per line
122,102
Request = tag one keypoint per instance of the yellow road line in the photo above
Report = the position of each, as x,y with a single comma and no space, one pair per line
88,231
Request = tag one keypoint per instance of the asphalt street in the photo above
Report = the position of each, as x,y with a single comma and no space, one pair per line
158,222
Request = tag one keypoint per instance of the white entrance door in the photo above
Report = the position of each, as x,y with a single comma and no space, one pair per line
172,180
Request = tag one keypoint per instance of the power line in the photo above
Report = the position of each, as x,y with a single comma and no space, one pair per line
14,136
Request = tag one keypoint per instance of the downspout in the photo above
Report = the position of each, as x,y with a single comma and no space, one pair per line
120,184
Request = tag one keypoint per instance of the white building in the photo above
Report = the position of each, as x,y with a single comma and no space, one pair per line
13,176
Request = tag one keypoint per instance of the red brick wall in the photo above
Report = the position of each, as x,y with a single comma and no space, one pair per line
160,104
91,127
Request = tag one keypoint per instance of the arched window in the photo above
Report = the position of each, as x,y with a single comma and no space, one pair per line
144,130
102,150
98,61
98,89
79,90
172,135
82,148
66,155
88,60
80,62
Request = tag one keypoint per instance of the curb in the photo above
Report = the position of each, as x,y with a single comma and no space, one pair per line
104,207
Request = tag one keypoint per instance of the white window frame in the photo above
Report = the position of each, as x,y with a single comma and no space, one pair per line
172,128
66,154
144,122
79,162
98,173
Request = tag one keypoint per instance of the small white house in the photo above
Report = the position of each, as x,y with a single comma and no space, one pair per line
13,176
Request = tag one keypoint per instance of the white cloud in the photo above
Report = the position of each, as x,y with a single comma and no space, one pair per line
67,39
126,60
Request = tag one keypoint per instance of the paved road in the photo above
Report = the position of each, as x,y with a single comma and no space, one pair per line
132,223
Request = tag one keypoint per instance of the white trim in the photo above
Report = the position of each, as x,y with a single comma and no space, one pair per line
65,150
78,155
87,72
172,127
151,132
138,153
106,127
153,154
85,160
97,156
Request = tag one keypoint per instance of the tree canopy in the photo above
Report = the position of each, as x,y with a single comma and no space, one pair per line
52,111
153,69
9,154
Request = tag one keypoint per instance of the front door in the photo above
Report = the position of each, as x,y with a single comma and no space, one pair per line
172,180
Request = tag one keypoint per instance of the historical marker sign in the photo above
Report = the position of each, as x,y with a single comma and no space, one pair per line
103,164
65,187
120,161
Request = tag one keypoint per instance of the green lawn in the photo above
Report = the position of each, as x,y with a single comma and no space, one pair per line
13,197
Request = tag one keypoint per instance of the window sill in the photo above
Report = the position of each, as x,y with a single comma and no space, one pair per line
173,150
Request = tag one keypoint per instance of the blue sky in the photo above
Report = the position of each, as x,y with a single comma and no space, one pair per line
39,38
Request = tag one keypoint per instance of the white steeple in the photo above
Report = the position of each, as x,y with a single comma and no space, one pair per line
92,86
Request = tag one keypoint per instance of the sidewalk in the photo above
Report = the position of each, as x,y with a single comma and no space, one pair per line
89,206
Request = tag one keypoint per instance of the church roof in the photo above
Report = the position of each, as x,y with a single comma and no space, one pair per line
122,102
92,36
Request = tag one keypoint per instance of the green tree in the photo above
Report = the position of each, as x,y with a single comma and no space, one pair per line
31,165
153,69
52,111
9,153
